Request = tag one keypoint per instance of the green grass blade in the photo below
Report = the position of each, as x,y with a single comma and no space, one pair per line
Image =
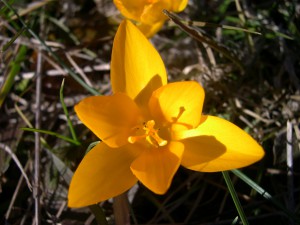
27,122
61,95
99,214
280,34
15,67
252,184
61,166
92,145
243,23
3,10
235,198
53,134
55,56
62,26
264,193
12,40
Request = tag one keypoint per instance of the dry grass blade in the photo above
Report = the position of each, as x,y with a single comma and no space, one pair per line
31,7
193,32
79,70
16,160
207,24
17,190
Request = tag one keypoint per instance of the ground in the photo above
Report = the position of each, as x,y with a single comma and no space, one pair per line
250,79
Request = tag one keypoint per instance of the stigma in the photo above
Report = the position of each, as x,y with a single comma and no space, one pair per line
150,134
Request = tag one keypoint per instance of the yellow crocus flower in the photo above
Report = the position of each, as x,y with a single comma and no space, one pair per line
148,14
149,128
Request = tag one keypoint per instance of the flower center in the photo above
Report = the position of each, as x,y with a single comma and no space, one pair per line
150,134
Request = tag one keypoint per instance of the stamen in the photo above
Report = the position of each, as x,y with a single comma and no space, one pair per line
133,139
151,135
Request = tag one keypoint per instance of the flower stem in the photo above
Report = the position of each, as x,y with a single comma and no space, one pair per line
121,209
235,198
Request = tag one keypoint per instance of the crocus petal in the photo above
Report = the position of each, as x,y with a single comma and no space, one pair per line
156,167
102,174
135,10
136,67
153,13
131,9
150,30
179,102
179,5
111,118
218,145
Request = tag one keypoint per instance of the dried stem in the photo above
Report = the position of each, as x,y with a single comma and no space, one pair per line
289,162
121,210
37,149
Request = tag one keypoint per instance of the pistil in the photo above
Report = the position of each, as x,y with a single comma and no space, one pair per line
150,134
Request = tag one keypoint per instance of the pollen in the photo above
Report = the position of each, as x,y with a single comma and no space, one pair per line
150,134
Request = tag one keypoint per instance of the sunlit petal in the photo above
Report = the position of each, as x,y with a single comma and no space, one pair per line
102,174
218,145
179,102
156,167
111,118
136,67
